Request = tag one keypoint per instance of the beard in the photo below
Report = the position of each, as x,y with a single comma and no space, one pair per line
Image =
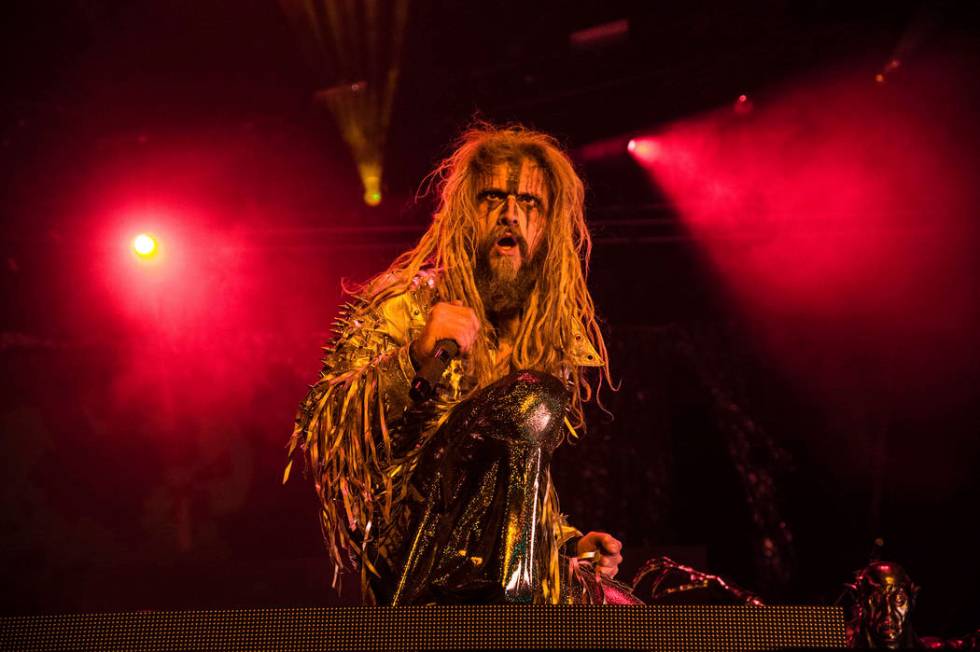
503,289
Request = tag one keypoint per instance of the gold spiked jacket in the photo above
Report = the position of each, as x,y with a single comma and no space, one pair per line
361,435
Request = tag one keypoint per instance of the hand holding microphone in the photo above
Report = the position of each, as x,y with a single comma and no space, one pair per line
603,550
451,329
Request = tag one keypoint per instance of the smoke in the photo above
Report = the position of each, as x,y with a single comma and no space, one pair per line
839,216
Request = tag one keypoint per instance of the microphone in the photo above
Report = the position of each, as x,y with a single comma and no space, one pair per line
431,370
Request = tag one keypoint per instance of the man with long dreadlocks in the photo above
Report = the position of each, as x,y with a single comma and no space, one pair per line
449,499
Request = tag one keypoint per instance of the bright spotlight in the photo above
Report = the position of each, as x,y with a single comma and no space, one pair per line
372,187
372,198
644,150
144,245
743,105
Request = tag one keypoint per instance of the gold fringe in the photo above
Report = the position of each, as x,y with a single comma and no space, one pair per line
345,436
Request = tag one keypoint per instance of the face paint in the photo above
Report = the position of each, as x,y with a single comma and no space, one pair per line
513,202
513,177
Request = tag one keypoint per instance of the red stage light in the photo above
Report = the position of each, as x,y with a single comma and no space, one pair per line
644,150
839,226
743,105
144,245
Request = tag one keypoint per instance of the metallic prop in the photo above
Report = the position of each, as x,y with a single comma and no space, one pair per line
883,597
673,583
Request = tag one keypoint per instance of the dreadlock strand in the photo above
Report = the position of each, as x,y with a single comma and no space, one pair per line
561,306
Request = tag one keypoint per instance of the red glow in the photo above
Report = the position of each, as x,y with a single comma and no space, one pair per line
837,219
176,306
190,282
743,105
202,327
644,150
601,149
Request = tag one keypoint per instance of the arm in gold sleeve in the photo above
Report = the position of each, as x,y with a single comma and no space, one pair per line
350,428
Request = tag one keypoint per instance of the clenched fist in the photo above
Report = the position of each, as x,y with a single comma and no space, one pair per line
607,552
447,321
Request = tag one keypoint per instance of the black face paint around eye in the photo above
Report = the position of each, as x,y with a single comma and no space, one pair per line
521,178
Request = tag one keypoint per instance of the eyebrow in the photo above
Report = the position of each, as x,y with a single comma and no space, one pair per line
492,187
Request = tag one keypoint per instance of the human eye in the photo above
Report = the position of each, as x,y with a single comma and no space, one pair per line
529,202
492,196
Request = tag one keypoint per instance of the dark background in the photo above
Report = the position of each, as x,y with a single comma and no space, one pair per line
143,443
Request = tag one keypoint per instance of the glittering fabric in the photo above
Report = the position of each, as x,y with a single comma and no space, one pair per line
484,478
364,440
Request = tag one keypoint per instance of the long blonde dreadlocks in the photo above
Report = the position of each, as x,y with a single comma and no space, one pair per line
560,306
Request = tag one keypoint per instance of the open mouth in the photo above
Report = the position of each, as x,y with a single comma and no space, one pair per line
507,242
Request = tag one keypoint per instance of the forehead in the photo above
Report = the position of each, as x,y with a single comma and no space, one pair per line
887,592
516,177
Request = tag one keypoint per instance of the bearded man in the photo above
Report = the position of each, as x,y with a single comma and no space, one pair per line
449,499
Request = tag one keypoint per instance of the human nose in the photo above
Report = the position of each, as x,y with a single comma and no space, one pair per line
510,213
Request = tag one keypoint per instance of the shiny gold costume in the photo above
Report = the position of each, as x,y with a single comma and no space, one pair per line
400,507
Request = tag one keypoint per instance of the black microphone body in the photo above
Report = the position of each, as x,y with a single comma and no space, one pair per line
431,370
